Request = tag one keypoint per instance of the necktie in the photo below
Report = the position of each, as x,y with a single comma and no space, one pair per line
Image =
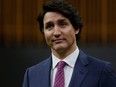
59,77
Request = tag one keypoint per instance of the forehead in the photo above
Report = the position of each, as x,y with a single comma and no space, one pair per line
53,16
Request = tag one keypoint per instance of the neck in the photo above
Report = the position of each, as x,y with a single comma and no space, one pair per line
64,53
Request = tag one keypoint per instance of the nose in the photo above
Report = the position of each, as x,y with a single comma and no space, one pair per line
57,32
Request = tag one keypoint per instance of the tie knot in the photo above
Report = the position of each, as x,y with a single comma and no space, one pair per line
61,64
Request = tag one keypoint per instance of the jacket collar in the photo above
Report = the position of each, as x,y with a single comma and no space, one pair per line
80,70
46,73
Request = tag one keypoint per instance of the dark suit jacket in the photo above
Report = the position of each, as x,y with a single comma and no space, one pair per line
88,72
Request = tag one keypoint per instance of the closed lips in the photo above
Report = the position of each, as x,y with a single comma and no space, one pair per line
58,39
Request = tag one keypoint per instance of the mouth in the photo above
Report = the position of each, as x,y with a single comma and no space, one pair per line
59,40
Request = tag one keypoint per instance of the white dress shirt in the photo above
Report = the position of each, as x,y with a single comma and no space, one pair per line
68,69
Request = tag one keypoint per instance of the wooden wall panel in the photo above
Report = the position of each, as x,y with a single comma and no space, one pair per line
112,21
19,20
8,24
1,21
104,21
18,25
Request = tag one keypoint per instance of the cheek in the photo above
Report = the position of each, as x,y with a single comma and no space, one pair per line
47,36
71,33
71,36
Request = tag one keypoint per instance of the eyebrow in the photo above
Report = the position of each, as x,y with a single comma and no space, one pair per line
59,20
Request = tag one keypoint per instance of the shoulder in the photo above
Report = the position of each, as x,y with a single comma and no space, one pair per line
105,70
99,65
100,70
98,61
41,65
93,62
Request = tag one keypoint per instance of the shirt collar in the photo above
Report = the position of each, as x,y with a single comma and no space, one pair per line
70,59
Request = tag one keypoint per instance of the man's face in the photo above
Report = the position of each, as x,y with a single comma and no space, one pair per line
59,32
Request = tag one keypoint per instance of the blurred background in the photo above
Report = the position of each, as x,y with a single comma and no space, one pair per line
22,45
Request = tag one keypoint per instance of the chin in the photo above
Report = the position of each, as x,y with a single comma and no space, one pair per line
59,48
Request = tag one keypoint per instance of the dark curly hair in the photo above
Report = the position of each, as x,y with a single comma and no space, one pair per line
64,8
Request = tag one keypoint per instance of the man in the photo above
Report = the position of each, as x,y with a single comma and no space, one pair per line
61,25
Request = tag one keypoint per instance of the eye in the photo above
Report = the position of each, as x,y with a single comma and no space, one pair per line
49,26
63,24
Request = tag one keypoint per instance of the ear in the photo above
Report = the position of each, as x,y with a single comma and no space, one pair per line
77,31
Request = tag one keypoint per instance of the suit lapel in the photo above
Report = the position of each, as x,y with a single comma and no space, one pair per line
80,70
79,73
46,73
